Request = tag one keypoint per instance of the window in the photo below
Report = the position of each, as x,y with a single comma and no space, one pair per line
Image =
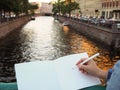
113,3
110,4
116,3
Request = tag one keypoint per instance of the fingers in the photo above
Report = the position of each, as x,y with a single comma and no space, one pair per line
82,69
81,60
85,68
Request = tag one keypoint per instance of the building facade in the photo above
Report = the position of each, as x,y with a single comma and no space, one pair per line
100,8
90,7
111,9
46,9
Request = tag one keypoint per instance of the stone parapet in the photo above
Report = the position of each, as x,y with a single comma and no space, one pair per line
109,37
9,26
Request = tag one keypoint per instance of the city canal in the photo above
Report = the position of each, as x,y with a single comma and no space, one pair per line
45,39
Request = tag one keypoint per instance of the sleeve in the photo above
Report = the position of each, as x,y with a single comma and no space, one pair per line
109,74
113,82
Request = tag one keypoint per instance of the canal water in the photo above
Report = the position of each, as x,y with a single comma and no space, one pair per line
44,39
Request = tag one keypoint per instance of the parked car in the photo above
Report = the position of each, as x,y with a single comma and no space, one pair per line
113,20
102,22
83,19
94,21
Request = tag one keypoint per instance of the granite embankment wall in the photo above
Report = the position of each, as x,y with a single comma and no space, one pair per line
9,26
108,37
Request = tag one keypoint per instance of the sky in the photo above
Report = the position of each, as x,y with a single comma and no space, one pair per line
40,1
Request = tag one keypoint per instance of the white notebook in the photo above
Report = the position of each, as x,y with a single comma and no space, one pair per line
59,74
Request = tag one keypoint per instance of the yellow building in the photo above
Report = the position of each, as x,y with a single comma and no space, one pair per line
90,7
46,8
98,8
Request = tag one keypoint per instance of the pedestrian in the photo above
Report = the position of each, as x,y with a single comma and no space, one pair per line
111,77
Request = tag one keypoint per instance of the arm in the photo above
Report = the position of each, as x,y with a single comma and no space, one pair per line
102,74
113,82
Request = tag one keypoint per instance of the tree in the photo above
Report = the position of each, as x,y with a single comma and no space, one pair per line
25,6
17,7
5,6
20,7
1,8
57,7
32,8
64,7
71,6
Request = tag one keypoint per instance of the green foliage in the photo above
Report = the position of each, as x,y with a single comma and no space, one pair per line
32,8
61,7
16,6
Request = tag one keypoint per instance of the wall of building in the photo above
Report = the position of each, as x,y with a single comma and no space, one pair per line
7,27
45,8
88,7
111,9
105,8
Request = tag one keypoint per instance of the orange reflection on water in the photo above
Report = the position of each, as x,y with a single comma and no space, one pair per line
66,29
80,44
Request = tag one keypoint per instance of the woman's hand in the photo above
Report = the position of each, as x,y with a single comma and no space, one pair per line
91,68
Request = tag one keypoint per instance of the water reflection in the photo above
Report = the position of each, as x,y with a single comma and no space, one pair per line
44,39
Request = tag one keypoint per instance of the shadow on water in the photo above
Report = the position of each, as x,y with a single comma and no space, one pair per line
44,39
